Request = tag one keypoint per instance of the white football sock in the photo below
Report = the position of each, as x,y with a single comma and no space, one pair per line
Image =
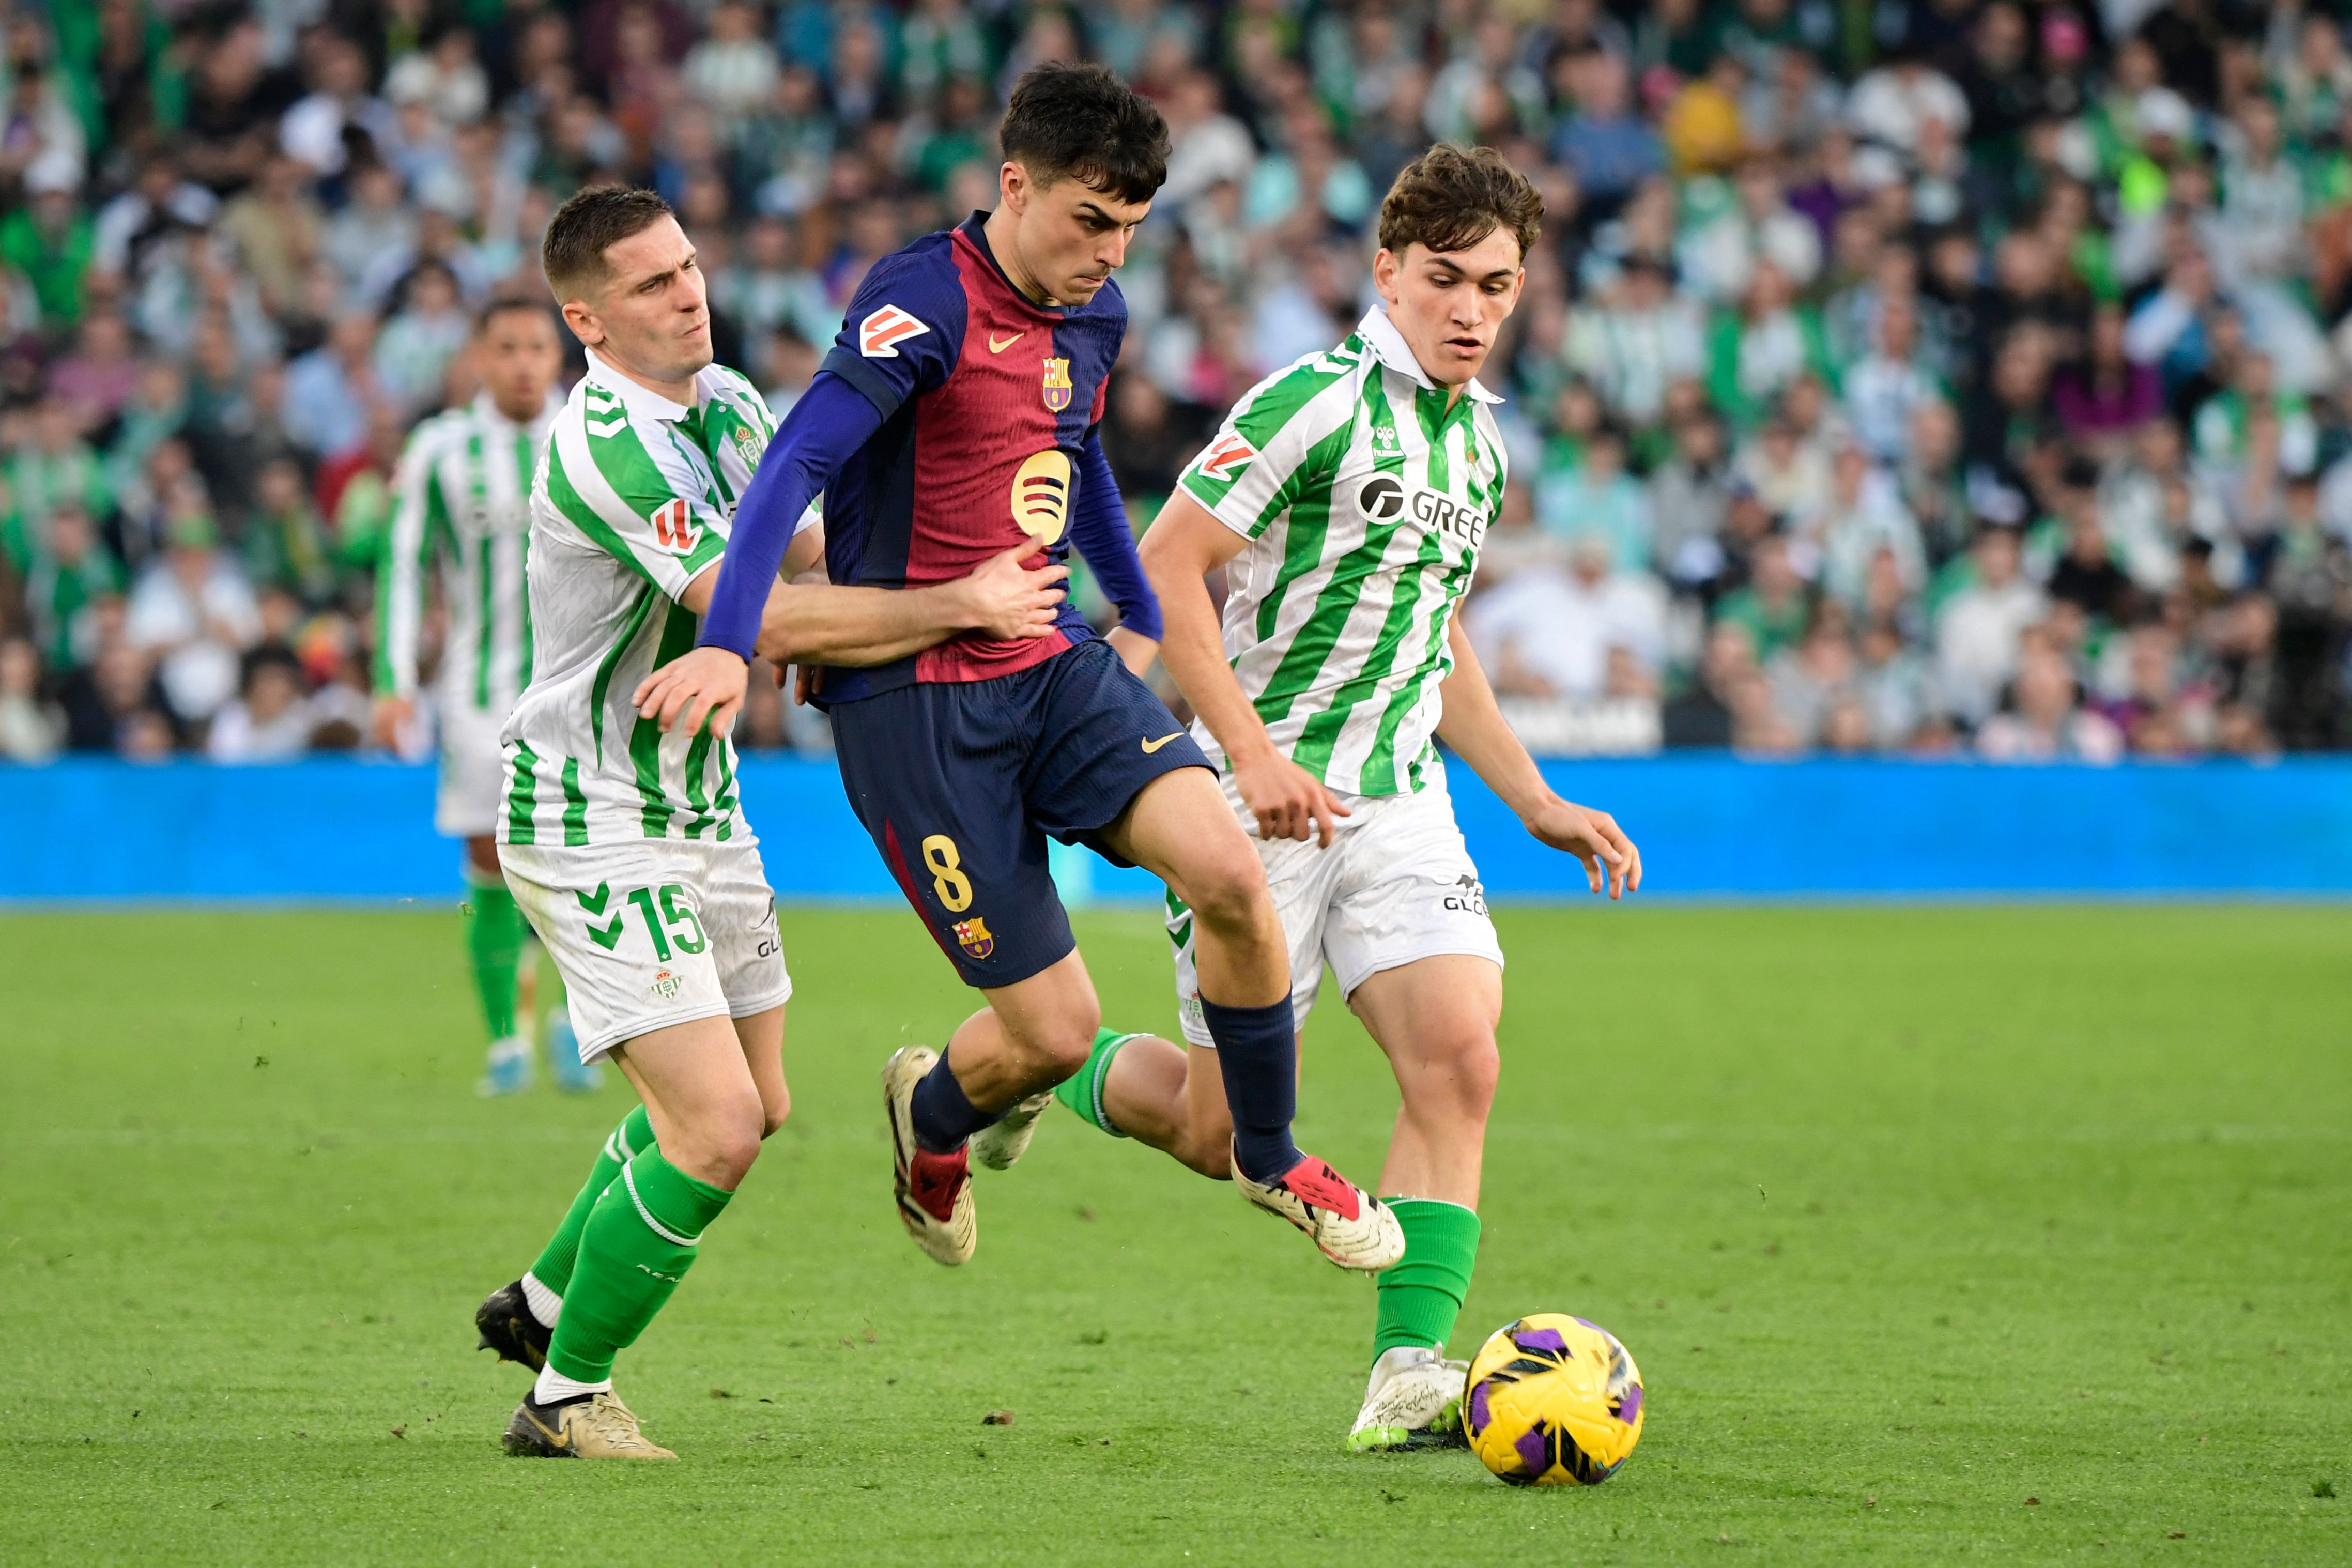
545,1304
553,1387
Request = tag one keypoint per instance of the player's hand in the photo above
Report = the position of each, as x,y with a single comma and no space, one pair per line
1288,801
808,681
1134,650
391,720
704,686
1004,600
1593,837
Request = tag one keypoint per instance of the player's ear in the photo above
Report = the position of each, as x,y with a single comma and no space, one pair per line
1013,184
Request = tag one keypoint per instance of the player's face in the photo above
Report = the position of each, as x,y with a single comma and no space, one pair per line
1450,304
1068,236
651,316
519,358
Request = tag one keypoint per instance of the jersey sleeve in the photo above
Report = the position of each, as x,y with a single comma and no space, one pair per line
1099,528
903,329
1286,432
419,517
647,514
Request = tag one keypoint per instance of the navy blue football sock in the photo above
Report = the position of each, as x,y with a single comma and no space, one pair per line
942,1114
1257,1056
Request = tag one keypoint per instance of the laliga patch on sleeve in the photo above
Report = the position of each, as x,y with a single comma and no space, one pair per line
1227,458
879,334
674,528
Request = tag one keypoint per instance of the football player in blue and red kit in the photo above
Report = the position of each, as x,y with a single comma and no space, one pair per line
955,418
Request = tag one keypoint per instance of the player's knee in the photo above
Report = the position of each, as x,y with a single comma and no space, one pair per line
1227,892
771,1116
1461,1070
722,1147
1066,1049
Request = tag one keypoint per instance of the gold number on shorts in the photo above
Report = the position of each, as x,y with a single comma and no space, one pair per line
953,887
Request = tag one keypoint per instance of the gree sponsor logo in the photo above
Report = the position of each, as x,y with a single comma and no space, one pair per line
1384,498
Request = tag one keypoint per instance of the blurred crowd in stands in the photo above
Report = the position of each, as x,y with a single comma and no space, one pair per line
1894,375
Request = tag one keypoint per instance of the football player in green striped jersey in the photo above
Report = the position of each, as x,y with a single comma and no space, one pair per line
1346,498
627,848
463,498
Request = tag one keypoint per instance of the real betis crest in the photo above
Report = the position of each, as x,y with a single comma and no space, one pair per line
747,446
1058,384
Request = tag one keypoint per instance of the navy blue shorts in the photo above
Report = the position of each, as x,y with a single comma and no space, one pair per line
959,781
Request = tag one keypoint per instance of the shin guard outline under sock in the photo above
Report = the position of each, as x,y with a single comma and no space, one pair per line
633,1137
640,1240
1421,1294
1257,1057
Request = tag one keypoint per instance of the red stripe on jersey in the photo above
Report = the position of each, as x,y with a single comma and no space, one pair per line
880,333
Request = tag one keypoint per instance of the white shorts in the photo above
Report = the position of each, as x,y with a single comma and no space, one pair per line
1395,886
472,771
652,933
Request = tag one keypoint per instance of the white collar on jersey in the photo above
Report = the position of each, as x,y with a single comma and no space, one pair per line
1388,345
642,402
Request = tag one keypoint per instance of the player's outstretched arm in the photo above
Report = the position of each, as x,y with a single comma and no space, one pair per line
819,623
1185,543
1474,727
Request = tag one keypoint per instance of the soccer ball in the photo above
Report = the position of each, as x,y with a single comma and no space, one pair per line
1553,1401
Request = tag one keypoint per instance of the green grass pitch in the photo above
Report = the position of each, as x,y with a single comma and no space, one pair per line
1995,1234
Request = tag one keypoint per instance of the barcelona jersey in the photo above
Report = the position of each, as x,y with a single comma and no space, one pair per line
986,402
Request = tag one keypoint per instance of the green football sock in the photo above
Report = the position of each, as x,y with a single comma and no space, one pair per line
1082,1091
494,933
640,1240
1421,1295
633,1137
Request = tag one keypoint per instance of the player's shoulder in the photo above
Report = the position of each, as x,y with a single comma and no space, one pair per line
436,432
1329,378
727,381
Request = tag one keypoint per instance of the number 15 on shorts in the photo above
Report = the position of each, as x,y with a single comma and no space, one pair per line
664,913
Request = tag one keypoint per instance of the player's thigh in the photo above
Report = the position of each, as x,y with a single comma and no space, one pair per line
623,924
934,774
1407,890
700,1095
1300,879
469,797
1109,764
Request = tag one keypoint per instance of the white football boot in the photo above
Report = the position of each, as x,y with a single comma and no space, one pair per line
1413,1400
1006,1139
934,1191
1355,1229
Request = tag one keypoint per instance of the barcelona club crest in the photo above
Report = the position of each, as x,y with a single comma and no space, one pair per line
1058,384
971,935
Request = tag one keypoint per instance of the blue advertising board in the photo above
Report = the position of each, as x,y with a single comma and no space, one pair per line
1709,826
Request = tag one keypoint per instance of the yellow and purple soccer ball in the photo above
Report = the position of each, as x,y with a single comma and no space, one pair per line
1553,1401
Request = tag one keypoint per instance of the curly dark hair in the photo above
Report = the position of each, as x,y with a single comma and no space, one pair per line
1083,123
1452,198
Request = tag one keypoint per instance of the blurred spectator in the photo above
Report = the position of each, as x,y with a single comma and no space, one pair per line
268,721
192,612
31,731
1884,351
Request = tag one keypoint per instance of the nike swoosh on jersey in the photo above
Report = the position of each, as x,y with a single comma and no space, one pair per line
1150,746
997,345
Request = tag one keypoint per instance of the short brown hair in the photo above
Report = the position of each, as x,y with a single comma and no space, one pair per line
583,228
1452,198
1081,121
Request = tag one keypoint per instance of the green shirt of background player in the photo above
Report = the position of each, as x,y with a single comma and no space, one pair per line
1392,478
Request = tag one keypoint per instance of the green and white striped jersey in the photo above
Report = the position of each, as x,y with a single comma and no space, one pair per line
1364,499
462,494
634,501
